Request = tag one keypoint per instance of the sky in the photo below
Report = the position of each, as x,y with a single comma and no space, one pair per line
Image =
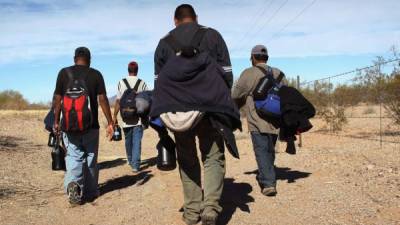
307,38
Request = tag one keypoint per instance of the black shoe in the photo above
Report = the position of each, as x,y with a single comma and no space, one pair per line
209,217
74,193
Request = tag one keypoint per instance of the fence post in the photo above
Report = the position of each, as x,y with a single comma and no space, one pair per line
300,136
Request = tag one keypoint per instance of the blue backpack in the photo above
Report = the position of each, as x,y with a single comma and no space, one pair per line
266,99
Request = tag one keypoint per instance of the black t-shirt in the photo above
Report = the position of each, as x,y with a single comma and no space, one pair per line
94,82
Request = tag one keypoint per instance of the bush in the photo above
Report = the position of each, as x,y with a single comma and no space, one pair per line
334,117
13,100
10,99
392,98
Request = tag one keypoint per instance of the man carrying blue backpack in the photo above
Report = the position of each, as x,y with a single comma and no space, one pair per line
263,133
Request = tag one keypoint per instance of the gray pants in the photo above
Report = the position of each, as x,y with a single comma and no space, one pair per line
213,158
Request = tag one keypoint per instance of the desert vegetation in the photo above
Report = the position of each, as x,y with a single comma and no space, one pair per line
371,86
13,100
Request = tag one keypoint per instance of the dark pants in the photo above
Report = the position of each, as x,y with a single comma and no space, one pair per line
264,149
212,155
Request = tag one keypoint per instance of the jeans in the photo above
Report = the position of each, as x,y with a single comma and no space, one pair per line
212,155
264,149
133,145
81,161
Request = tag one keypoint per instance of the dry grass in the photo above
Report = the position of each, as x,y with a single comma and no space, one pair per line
332,180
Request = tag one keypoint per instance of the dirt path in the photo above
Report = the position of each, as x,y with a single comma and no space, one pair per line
330,181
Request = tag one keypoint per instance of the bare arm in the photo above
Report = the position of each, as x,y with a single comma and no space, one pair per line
105,106
57,112
116,110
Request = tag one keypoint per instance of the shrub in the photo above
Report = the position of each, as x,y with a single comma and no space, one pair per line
392,98
334,117
10,99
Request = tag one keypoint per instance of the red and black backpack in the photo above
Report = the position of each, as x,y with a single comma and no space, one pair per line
76,112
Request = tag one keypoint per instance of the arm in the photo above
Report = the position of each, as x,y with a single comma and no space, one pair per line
57,112
105,107
241,89
117,105
223,59
57,97
116,110
159,60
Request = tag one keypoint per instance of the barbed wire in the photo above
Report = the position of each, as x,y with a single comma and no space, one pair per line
352,71
354,137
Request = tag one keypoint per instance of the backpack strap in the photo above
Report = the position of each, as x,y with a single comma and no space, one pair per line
269,74
198,37
137,85
280,77
126,83
70,76
195,42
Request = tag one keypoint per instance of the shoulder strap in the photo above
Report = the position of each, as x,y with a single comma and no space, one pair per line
69,74
198,37
280,77
126,83
269,74
173,43
137,85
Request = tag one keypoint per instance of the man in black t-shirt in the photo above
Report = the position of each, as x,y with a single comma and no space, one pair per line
81,178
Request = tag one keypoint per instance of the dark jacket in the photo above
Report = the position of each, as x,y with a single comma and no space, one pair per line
200,83
296,111
213,43
193,84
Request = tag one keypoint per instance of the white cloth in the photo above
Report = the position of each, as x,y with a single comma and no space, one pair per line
181,121
122,88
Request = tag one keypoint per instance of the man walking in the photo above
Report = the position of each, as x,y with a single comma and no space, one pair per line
263,133
197,206
78,89
134,131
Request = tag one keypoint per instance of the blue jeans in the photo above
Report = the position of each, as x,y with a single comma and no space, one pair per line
264,149
81,161
133,145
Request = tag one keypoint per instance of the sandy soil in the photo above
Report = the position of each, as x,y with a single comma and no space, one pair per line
332,180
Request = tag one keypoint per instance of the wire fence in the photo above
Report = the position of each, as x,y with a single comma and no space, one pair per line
353,104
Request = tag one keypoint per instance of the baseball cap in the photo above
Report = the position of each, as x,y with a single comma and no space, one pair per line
82,52
259,50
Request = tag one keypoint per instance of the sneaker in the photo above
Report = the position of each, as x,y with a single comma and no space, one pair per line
74,193
209,217
269,191
135,170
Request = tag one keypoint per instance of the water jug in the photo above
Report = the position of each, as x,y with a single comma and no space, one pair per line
117,136
52,140
166,159
58,157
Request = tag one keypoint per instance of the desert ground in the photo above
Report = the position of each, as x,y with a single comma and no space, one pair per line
331,180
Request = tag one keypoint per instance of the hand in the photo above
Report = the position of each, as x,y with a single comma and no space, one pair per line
56,128
110,131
